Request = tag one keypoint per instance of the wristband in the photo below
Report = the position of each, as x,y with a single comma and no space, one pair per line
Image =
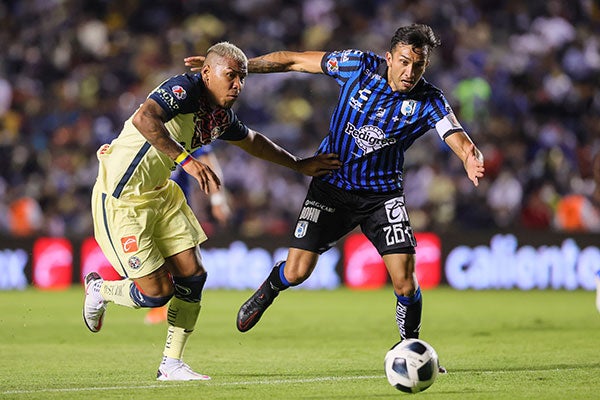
183,158
217,199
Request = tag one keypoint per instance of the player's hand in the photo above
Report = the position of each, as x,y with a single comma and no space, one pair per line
474,164
220,209
319,165
209,181
194,62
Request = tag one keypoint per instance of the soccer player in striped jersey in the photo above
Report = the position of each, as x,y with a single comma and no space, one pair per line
384,105
141,219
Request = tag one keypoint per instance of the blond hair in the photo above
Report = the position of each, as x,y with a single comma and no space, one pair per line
228,50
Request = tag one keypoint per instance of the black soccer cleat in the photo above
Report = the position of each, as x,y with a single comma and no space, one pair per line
251,311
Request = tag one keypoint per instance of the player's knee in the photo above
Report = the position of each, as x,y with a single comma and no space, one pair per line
143,300
190,288
296,276
405,287
405,291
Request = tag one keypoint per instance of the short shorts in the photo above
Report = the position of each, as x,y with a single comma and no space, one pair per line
136,234
328,213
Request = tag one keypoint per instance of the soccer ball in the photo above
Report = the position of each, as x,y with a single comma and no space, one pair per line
411,365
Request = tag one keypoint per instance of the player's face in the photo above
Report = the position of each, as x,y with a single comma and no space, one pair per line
224,78
406,66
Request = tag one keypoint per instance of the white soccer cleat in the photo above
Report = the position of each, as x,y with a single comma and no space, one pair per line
94,305
177,370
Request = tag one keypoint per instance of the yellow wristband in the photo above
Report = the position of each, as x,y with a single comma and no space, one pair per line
180,158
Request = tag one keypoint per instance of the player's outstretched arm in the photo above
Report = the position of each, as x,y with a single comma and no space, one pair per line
284,61
469,154
279,61
260,146
149,121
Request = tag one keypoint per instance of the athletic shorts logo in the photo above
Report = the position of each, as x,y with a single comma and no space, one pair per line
179,92
129,244
301,229
134,262
395,210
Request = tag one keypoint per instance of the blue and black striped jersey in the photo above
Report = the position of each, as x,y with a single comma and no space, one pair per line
372,126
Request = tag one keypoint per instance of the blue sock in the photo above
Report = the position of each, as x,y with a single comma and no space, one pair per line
277,278
407,301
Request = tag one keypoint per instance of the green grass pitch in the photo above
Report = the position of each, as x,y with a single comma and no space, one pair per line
309,345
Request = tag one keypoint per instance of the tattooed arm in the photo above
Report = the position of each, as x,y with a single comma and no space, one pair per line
284,61
279,61
149,120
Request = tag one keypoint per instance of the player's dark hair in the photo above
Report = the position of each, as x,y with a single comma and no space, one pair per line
419,36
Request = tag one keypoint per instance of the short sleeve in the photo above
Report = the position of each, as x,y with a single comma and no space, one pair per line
176,95
236,130
342,65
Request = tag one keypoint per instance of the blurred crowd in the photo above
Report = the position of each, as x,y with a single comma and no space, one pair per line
523,78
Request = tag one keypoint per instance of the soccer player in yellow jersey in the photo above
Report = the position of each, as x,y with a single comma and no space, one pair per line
220,211
141,219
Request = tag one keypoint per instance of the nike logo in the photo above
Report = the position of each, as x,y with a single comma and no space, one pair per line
243,325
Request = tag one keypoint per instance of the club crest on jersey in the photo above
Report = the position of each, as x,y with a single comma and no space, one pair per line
301,229
179,92
134,262
408,107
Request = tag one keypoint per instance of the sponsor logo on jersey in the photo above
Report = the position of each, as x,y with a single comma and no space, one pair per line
369,137
310,214
129,244
134,262
301,229
320,206
408,107
179,92
168,99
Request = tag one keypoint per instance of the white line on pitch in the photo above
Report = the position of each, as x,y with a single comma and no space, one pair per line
209,383
260,382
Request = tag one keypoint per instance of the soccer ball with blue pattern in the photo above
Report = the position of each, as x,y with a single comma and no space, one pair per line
411,365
